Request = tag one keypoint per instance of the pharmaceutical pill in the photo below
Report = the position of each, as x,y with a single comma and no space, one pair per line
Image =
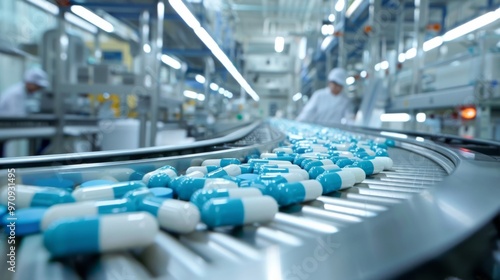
283,149
160,177
93,183
369,166
162,192
31,196
107,192
100,234
290,193
318,170
173,215
238,211
200,197
254,162
203,169
386,161
137,195
229,170
343,162
85,208
221,162
278,178
25,221
320,162
359,174
333,181
185,187
303,173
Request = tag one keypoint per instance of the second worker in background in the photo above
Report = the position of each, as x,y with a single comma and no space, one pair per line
329,105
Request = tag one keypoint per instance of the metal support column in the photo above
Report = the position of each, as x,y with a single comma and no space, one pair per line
97,47
155,97
340,17
144,27
62,51
374,42
398,47
421,15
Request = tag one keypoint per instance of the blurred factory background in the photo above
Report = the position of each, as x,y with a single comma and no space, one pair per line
201,68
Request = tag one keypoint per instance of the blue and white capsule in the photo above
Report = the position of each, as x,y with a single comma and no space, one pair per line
186,186
221,162
278,178
85,208
32,196
99,234
257,161
160,177
290,193
286,150
106,192
194,174
319,162
200,197
315,171
370,167
238,211
302,172
334,181
203,169
173,215
229,170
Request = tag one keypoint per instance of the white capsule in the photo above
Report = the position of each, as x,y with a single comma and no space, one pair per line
283,149
359,174
348,179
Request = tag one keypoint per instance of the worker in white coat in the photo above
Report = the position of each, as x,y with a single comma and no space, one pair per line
14,100
328,105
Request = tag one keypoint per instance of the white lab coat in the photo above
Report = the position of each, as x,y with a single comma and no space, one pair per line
326,109
13,101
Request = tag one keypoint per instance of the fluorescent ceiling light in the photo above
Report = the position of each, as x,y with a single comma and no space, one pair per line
401,57
71,18
297,96
331,17
472,25
377,67
353,8
228,94
200,97
146,48
339,7
433,43
222,90
279,44
214,86
350,80
192,22
363,74
170,61
303,48
384,65
327,29
421,117
92,18
396,117
200,79
411,53
190,94
326,42
46,6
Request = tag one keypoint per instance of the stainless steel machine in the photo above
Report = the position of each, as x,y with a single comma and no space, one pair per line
433,215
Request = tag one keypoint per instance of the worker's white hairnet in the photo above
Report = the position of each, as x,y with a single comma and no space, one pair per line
337,75
36,76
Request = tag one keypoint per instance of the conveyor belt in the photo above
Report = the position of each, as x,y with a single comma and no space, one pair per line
390,223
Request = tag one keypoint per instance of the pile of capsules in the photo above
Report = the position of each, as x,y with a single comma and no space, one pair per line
119,213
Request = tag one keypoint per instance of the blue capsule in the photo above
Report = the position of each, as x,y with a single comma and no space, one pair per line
334,181
290,193
318,170
185,186
95,234
200,197
238,211
31,196
160,177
